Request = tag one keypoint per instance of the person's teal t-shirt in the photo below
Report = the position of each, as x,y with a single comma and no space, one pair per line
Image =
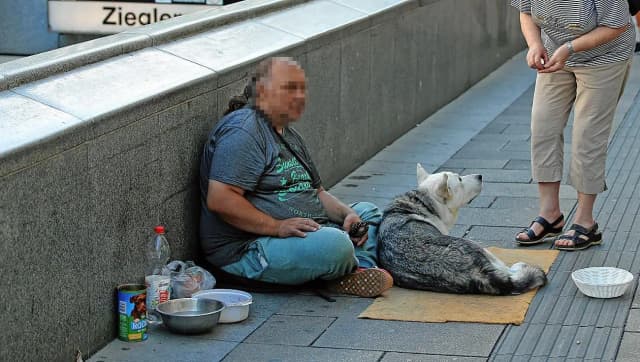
243,150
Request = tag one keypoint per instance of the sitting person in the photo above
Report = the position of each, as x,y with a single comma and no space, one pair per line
264,213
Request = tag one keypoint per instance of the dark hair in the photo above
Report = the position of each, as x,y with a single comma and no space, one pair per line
263,71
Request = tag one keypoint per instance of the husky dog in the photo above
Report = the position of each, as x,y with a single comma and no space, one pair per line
418,252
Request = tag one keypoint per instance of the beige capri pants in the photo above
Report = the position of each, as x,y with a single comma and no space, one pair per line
594,92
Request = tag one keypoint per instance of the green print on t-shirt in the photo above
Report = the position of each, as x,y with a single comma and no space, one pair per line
294,178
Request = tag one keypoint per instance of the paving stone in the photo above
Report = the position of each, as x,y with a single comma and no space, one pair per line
434,154
365,191
450,169
636,297
629,347
290,330
481,202
265,352
459,230
394,168
532,334
521,176
512,337
493,217
315,306
381,202
519,203
372,178
494,128
597,343
517,145
613,344
523,190
439,338
414,357
581,342
493,233
591,312
483,146
547,340
516,129
263,307
475,163
493,155
518,165
501,358
563,343
164,348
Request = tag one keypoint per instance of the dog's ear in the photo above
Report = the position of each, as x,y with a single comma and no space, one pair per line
422,174
443,188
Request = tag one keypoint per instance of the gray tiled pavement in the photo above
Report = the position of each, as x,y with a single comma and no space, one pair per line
483,131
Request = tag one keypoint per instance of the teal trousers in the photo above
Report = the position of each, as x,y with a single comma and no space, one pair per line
325,254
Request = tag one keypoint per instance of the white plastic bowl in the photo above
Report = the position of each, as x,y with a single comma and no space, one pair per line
602,282
236,303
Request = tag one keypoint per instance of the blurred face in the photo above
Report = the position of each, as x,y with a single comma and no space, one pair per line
282,97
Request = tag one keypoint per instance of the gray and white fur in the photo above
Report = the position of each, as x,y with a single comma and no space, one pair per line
418,252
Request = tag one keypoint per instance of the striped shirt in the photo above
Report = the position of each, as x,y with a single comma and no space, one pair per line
565,20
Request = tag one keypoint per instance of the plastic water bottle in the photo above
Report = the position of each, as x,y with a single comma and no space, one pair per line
158,286
158,251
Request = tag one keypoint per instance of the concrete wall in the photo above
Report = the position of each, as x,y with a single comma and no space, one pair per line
94,156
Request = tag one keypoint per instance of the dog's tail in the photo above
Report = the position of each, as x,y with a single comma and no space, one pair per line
526,277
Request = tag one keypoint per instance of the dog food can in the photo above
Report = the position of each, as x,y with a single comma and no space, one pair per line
132,312
158,291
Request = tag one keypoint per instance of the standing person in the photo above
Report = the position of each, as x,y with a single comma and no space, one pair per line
582,52
264,213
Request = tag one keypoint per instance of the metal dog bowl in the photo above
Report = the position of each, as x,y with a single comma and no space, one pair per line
189,315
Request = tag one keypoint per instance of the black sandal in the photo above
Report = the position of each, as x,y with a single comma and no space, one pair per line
549,230
582,238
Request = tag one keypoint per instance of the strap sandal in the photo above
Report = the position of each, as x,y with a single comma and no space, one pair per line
549,230
581,238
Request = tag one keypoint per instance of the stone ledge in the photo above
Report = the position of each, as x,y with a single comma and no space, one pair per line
43,65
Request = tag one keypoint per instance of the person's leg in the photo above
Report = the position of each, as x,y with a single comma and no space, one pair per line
324,254
552,100
599,89
367,254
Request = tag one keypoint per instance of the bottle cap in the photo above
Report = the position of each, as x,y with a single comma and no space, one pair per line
159,229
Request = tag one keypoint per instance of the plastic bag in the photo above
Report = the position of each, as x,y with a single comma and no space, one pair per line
188,278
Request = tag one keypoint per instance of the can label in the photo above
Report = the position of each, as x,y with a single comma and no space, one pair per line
132,312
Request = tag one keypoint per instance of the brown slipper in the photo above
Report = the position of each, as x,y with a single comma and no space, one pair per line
363,283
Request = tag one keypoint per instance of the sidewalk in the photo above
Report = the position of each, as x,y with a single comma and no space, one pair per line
485,131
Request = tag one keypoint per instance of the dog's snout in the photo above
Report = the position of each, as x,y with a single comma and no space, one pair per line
479,177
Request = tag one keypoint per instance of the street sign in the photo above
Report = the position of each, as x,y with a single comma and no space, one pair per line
109,17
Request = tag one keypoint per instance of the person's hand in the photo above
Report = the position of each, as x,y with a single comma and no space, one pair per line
557,60
296,226
537,57
346,226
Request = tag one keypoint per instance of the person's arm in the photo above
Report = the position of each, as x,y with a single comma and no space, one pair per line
340,213
596,37
229,203
537,55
